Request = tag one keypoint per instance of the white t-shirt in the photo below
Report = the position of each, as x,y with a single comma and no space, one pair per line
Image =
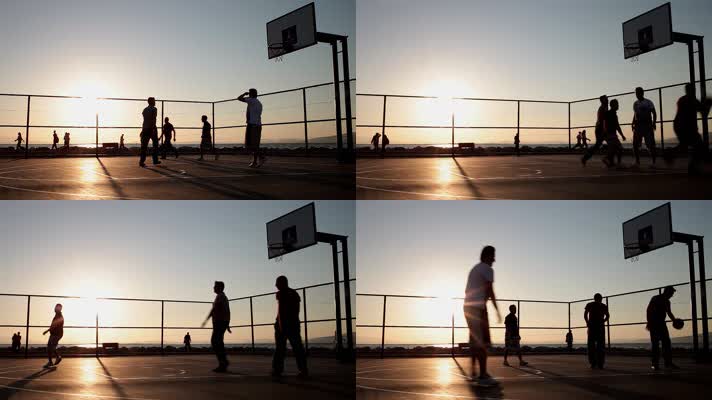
254,111
643,110
475,292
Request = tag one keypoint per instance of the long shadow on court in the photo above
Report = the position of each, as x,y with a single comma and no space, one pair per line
473,189
10,390
225,190
117,388
482,392
114,185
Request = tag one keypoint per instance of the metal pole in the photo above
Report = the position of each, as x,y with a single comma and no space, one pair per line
608,328
337,298
383,327
569,126
452,135
162,314
306,320
162,118
569,316
519,313
96,336
383,121
96,137
703,294
691,58
662,118
693,296
213,149
347,294
703,94
452,334
27,329
306,124
27,129
337,100
347,101
518,120
252,325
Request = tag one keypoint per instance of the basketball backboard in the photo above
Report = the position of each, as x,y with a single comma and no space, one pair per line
647,232
292,32
647,32
291,232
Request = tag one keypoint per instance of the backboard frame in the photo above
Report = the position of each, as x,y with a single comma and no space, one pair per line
275,53
301,246
627,53
664,244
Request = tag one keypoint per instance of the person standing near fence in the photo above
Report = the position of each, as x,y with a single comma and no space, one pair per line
596,315
287,327
375,141
55,140
186,341
149,132
206,139
168,134
645,119
569,340
66,140
658,308
511,336
253,132
19,141
220,314
56,331
599,130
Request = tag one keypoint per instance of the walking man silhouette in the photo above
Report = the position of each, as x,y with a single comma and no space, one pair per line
287,327
220,314
149,132
56,331
596,315
599,131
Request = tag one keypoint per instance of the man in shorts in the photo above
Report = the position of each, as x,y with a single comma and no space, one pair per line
511,336
599,132
478,291
253,132
645,119
149,132
167,135
56,331
596,315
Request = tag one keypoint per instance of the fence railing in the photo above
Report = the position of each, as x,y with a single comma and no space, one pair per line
161,105
519,127
452,327
163,327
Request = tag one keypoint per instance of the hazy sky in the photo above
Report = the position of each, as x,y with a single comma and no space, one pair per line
553,250
159,250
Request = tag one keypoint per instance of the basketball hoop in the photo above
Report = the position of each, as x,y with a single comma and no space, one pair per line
278,259
634,259
634,59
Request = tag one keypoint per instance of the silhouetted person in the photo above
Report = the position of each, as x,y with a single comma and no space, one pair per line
384,143
570,340
55,140
686,129
14,342
56,331
578,144
478,291
584,139
599,130
168,134
149,132
596,315
375,140
206,139
658,308
612,129
186,341
18,344
220,314
287,327
511,336
645,120
253,132
66,140
516,143
122,146
19,141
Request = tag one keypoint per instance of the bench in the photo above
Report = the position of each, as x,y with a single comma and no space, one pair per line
114,146
466,145
113,346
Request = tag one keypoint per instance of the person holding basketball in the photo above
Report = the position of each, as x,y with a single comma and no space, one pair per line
658,308
645,119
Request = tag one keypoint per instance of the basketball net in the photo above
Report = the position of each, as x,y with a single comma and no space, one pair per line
278,259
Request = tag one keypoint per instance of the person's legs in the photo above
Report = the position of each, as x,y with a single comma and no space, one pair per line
218,343
144,149
667,346
280,344
637,142
601,347
154,154
650,144
295,339
655,346
592,150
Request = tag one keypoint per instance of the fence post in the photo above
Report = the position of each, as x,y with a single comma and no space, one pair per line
452,334
252,325
383,327
518,125
162,119
306,321
27,129
96,335
213,149
162,324
608,329
662,119
96,138
27,329
383,121
452,139
569,125
569,315
306,124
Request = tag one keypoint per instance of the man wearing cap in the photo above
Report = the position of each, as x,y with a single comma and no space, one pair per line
658,307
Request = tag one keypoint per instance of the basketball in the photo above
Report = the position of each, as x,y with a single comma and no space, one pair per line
678,324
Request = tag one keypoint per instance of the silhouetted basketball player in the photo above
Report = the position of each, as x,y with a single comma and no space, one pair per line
253,132
149,132
375,140
478,291
612,129
658,308
168,134
686,129
220,314
19,141
645,119
206,139
569,340
599,131
186,341
55,140
56,331
287,327
511,336
596,315
66,140
584,139
578,144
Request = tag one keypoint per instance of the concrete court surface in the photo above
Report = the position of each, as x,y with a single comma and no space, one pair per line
172,377
185,178
553,377
544,177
